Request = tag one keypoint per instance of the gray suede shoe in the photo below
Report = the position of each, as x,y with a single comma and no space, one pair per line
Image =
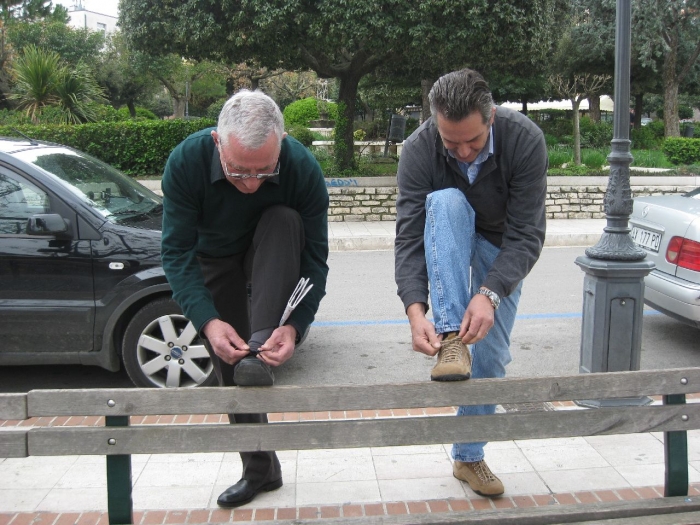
251,371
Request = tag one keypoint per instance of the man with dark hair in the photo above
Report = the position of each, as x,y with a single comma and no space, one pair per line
470,226
244,218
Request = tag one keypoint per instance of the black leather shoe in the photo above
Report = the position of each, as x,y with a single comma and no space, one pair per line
244,491
251,371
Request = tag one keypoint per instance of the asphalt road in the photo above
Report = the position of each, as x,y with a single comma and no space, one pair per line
361,335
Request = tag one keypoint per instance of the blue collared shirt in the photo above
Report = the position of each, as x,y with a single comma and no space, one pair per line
471,169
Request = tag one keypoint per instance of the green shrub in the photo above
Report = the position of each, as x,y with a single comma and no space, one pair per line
657,128
136,147
594,159
571,170
558,128
559,156
302,134
644,138
215,108
682,150
595,134
373,128
359,134
685,112
304,110
550,140
141,113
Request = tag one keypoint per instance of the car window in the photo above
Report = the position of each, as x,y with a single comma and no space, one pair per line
116,197
19,200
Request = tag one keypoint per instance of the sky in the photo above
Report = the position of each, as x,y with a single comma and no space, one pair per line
105,7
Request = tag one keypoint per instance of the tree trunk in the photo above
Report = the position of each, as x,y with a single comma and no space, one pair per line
178,106
671,124
576,103
524,110
594,107
132,108
344,140
638,109
425,86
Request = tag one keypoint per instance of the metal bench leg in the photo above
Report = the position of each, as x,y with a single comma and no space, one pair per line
676,455
119,501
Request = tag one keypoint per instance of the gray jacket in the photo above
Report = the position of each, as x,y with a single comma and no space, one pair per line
508,196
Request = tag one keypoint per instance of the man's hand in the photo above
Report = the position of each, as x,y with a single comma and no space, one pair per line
279,347
225,341
477,320
423,334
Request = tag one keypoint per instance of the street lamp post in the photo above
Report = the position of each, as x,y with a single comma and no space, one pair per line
613,289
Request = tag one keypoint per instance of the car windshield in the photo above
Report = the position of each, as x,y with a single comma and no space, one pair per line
115,196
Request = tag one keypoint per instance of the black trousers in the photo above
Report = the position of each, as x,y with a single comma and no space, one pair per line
269,272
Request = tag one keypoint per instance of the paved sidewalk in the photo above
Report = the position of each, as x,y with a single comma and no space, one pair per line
325,483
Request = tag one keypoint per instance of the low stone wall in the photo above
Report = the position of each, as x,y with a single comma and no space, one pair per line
362,204
375,199
587,202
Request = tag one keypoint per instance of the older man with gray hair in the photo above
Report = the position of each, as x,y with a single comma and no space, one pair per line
470,226
244,218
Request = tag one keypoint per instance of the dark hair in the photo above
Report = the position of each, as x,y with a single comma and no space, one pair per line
457,95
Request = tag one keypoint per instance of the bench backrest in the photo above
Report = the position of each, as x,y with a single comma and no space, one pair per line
154,439
117,440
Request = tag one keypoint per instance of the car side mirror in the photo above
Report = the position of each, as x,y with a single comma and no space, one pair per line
48,224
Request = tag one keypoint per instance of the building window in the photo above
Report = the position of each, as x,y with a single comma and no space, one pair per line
101,26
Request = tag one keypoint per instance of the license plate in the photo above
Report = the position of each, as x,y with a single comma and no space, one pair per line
646,238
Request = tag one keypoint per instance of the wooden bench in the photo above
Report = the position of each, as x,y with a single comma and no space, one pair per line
117,440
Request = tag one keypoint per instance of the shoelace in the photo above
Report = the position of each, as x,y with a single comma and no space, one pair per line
451,351
484,472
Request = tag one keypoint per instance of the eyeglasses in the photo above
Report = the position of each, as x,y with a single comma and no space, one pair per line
243,176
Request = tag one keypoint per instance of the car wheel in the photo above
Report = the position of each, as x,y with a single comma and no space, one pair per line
162,349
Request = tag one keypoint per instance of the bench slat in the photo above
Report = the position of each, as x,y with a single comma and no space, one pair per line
13,443
158,439
356,397
13,406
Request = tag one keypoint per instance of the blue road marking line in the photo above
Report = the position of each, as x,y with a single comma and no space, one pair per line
572,315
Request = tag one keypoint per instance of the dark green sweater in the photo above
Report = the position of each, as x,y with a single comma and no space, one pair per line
203,214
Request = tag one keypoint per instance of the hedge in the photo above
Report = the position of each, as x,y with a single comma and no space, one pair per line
682,150
138,148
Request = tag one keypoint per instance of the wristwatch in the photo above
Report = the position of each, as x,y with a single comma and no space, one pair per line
493,297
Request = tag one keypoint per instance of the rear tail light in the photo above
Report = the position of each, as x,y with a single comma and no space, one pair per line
684,252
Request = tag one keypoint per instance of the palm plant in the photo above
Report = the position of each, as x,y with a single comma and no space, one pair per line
78,92
43,80
36,72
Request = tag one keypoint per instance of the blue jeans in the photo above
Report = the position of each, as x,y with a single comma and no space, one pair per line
453,253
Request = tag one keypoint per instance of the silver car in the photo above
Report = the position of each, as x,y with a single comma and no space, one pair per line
668,229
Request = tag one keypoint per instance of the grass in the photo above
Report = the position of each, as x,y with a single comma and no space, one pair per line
597,158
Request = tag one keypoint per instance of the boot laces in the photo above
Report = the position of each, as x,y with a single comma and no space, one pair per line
451,351
484,472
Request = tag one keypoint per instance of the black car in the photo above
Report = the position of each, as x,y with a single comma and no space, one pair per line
81,279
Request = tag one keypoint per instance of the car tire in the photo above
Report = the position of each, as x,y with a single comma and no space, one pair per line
162,349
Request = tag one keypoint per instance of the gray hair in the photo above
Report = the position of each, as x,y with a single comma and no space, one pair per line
250,116
457,95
